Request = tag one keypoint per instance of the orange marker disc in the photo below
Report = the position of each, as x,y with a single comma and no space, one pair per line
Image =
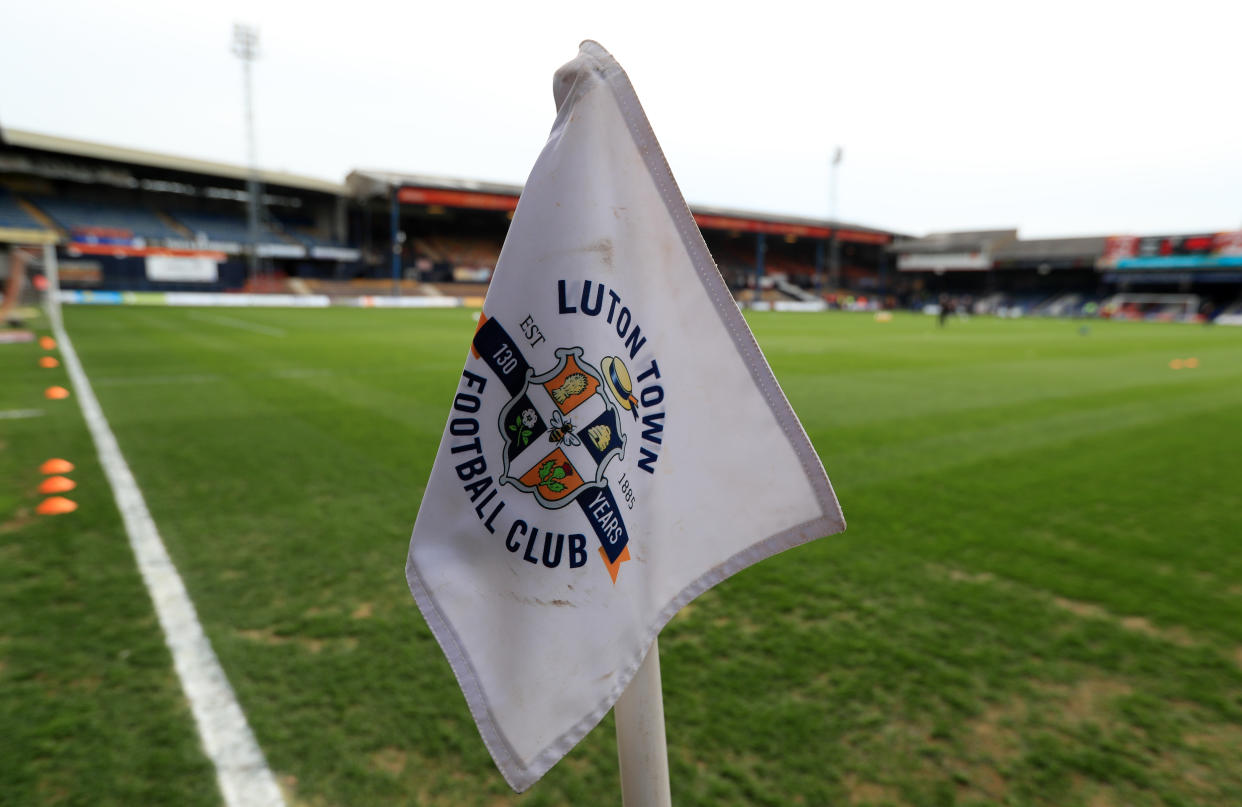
48,362
57,484
56,466
1192,363
55,505
56,393
47,343
1176,364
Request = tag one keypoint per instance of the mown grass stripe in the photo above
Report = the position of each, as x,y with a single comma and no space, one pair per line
234,322
241,770
20,414
1080,468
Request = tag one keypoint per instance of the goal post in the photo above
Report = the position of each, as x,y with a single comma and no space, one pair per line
23,281
1165,307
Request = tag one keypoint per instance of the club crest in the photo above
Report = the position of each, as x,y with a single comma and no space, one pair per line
561,430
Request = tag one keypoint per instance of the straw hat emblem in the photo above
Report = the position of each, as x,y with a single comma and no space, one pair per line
617,380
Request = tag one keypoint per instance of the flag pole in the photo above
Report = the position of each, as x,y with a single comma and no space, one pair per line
641,746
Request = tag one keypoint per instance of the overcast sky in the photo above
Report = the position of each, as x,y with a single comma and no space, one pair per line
1056,118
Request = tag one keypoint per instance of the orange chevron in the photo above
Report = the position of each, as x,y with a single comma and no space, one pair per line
615,568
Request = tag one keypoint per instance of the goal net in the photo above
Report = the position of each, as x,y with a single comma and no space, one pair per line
1164,307
23,283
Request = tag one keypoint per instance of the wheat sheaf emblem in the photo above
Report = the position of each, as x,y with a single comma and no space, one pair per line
571,386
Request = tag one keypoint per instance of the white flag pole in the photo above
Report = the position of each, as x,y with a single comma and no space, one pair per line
640,737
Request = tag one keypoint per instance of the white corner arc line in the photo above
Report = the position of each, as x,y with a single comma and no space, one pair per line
241,770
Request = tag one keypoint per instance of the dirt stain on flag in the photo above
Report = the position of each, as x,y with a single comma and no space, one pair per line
537,601
604,247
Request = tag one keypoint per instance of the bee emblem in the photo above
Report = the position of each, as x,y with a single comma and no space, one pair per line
562,431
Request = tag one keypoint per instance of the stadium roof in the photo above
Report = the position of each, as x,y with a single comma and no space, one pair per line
703,211
966,241
1002,245
1051,248
495,195
366,182
153,159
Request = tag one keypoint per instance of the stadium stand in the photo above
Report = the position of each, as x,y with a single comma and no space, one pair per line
83,216
304,232
1060,305
113,210
1231,315
464,251
795,292
224,227
13,215
1024,304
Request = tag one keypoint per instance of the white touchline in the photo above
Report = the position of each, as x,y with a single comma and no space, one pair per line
245,780
233,322
17,414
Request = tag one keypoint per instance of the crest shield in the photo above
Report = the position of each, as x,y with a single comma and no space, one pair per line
561,430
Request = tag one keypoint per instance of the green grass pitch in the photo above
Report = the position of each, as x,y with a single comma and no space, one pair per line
1038,600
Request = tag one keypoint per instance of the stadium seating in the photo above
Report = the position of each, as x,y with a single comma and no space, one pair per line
788,265
13,215
303,231
1060,305
73,214
468,251
225,227
1025,304
311,240
736,261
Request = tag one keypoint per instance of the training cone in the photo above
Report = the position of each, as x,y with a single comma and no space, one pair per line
1192,363
56,393
48,362
56,466
1176,364
56,505
47,343
57,484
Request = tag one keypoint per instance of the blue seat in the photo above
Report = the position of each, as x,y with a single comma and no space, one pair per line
14,216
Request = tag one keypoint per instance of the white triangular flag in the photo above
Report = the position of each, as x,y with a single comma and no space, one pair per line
617,443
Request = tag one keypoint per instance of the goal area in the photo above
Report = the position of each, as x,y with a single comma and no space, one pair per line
1163,307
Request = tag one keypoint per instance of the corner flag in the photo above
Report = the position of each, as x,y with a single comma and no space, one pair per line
617,443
